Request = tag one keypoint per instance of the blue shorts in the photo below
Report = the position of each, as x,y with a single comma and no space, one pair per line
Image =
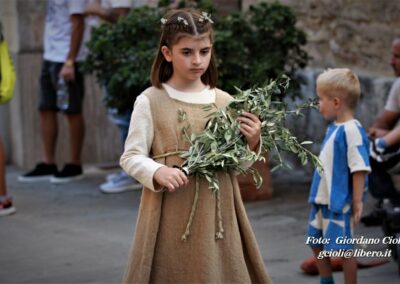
48,88
328,230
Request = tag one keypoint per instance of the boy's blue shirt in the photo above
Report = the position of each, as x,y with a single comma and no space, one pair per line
344,150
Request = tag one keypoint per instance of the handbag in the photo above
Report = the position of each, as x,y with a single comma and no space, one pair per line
7,74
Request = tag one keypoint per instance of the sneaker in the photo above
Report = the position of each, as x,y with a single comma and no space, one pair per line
41,172
70,172
6,207
120,183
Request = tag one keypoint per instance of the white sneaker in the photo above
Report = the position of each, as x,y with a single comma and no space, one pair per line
120,183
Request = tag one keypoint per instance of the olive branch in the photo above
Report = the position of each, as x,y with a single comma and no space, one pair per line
221,146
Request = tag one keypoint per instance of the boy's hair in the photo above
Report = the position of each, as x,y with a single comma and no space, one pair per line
342,83
175,25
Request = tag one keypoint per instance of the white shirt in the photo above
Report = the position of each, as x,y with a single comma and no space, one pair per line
57,35
344,151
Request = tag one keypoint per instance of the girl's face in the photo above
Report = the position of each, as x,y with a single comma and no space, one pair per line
327,106
190,57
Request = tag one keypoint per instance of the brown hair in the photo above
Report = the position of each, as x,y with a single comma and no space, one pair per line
176,24
342,83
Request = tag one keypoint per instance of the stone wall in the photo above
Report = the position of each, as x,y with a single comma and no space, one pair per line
352,33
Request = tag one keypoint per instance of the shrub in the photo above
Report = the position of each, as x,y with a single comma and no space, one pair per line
259,44
251,47
121,55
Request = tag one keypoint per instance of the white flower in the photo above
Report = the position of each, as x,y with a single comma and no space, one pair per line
205,16
182,20
164,21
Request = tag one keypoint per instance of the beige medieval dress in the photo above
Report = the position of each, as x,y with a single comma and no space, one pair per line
158,254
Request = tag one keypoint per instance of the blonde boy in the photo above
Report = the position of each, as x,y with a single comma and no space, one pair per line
336,194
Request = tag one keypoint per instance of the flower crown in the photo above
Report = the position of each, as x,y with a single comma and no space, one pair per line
204,17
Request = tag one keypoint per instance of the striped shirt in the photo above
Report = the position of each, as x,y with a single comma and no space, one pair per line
345,150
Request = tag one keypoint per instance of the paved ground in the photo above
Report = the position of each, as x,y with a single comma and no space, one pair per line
72,233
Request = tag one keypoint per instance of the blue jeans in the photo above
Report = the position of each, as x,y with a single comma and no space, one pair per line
122,121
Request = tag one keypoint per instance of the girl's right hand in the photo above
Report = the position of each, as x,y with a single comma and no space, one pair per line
170,178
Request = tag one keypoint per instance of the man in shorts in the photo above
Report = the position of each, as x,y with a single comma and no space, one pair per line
64,39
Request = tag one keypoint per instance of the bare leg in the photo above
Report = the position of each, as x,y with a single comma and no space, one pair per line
323,265
49,128
76,136
3,189
350,270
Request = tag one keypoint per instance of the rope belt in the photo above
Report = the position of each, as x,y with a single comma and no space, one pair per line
219,234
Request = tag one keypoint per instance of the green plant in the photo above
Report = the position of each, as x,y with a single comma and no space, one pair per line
251,47
121,55
259,44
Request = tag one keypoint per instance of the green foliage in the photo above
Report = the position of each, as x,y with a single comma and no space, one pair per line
251,47
205,5
221,146
121,55
259,44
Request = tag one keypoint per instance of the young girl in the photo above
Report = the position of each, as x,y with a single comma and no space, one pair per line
176,242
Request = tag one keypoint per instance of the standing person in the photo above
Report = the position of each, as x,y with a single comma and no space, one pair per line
6,205
337,194
217,244
110,11
64,39
385,153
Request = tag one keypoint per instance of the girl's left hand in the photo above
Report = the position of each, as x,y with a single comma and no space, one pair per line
250,126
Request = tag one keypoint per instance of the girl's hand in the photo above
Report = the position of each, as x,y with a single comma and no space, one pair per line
170,178
250,126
